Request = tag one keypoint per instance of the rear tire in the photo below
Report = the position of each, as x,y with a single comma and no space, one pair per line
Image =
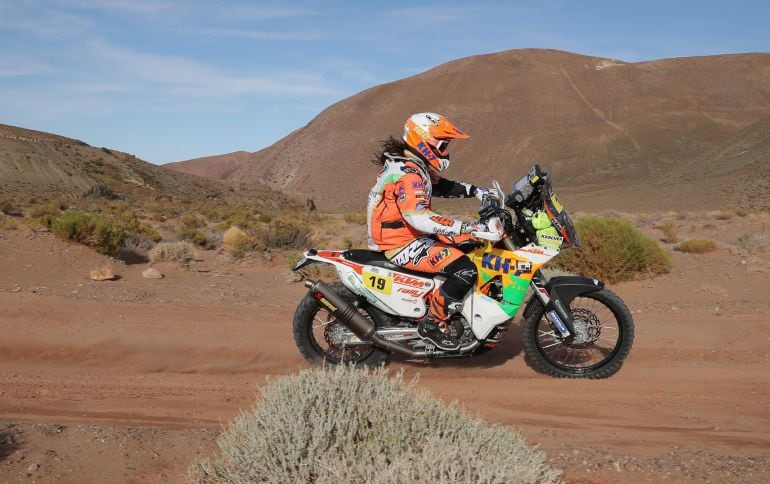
314,328
597,314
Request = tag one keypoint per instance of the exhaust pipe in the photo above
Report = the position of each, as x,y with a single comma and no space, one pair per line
348,315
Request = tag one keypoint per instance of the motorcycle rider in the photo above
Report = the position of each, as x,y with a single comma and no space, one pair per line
402,224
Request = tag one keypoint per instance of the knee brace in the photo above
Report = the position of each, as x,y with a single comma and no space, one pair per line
461,277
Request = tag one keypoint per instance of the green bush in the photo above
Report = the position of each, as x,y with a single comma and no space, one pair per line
100,233
193,228
698,246
613,250
348,425
43,215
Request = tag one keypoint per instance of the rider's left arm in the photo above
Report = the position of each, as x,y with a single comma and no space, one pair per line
445,188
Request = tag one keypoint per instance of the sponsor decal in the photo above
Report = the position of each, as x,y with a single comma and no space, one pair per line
421,206
432,119
447,222
533,250
418,185
523,267
325,301
407,280
410,292
426,151
401,193
439,256
414,252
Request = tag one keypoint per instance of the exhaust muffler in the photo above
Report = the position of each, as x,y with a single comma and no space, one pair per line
348,315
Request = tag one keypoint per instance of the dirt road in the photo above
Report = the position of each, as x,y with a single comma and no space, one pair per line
130,380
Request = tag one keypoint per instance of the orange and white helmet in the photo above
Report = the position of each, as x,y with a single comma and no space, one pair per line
429,135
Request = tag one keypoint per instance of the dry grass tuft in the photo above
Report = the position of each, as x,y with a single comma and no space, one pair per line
181,252
753,243
348,425
697,246
355,218
670,232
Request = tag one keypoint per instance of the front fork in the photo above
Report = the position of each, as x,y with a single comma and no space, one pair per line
555,312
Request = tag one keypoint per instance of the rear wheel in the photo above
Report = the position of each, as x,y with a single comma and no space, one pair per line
321,338
604,333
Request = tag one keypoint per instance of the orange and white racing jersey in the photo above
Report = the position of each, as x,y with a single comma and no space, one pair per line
399,208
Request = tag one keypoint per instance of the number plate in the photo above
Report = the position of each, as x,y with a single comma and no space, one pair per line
378,283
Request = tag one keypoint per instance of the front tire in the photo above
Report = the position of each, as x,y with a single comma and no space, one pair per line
605,333
316,332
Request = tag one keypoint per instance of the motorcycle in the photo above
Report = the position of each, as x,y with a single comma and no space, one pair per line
573,326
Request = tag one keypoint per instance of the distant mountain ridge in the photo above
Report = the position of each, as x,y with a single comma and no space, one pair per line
35,163
616,135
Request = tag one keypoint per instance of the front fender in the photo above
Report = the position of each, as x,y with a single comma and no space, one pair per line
564,289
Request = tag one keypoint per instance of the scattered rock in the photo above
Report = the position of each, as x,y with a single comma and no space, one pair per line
152,273
104,274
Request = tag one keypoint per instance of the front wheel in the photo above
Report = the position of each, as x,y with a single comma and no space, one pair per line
604,332
322,339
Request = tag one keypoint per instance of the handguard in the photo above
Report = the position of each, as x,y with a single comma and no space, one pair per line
494,232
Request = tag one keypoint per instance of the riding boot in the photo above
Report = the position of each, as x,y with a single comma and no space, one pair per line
433,326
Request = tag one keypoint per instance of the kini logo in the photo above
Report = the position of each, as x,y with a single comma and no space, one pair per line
498,264
439,256
426,152
495,263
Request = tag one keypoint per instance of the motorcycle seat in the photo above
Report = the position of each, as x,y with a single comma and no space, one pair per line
377,259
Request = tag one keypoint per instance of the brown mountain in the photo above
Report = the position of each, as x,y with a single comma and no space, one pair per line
628,136
219,166
34,164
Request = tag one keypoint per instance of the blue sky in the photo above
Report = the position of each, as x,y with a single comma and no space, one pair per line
169,80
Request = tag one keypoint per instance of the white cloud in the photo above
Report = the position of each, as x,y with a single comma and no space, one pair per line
262,34
193,78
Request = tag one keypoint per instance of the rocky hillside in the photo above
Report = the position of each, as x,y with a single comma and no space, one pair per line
38,164
665,134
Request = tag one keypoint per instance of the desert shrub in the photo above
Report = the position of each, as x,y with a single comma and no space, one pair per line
753,243
669,230
171,252
285,232
613,250
697,246
8,207
7,223
43,215
264,218
194,228
348,425
355,218
101,233
238,243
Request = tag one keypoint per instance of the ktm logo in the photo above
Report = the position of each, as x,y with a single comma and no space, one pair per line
447,222
407,281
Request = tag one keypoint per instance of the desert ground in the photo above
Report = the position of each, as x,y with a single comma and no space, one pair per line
131,380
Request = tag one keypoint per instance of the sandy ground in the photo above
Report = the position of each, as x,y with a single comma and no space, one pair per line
131,380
